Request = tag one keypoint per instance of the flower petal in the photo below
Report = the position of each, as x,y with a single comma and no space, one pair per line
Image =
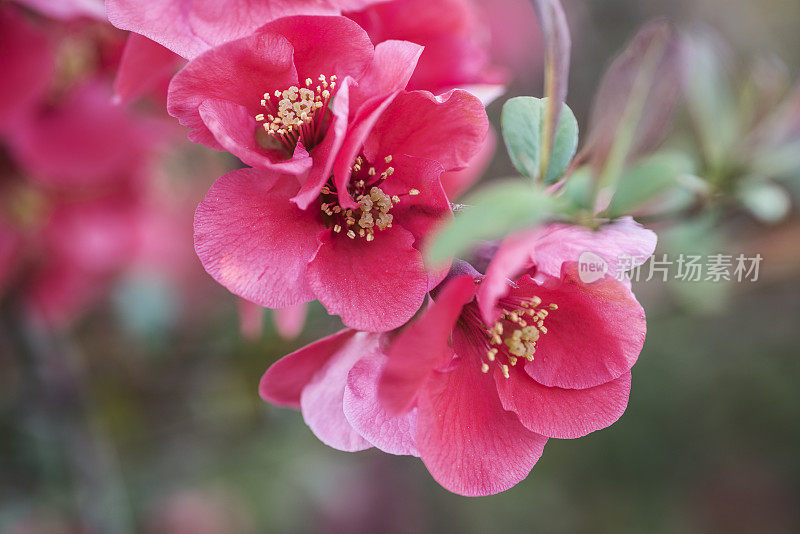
455,183
394,435
450,128
374,286
239,71
144,66
423,345
325,45
322,400
390,70
289,322
284,381
549,247
325,153
234,129
563,413
469,443
594,337
253,240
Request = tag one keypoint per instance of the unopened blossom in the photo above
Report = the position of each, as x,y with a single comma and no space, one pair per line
477,394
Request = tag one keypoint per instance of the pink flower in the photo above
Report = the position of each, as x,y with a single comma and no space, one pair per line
475,394
68,9
71,200
190,27
27,56
291,97
355,245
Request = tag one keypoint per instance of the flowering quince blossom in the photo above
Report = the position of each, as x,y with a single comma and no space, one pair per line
294,95
480,381
356,247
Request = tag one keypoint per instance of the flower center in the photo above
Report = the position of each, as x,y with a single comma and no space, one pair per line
514,335
374,204
296,114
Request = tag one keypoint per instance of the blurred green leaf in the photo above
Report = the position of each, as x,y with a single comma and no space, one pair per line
710,96
492,213
523,122
647,180
579,188
766,201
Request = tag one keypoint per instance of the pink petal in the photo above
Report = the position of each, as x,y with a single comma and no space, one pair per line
394,435
422,346
325,45
189,28
219,22
233,127
164,21
289,321
594,337
325,153
145,65
362,125
254,241
548,248
239,72
450,128
469,443
374,286
457,182
284,381
390,70
563,413
322,400
27,60
419,214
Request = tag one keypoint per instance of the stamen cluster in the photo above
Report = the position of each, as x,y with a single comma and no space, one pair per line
374,204
515,333
291,115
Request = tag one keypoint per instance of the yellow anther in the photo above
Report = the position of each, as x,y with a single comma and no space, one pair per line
484,368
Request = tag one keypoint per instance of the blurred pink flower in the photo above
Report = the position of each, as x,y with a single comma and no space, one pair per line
190,27
289,321
475,402
356,244
27,55
72,199
68,9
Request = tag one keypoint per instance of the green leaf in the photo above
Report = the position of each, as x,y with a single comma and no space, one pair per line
523,121
492,213
768,202
647,180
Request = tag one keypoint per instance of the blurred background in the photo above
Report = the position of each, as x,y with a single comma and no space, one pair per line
128,377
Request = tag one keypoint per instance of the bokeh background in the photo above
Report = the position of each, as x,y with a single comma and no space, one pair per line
143,415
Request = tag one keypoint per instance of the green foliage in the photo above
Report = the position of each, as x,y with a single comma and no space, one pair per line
647,180
492,213
523,121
